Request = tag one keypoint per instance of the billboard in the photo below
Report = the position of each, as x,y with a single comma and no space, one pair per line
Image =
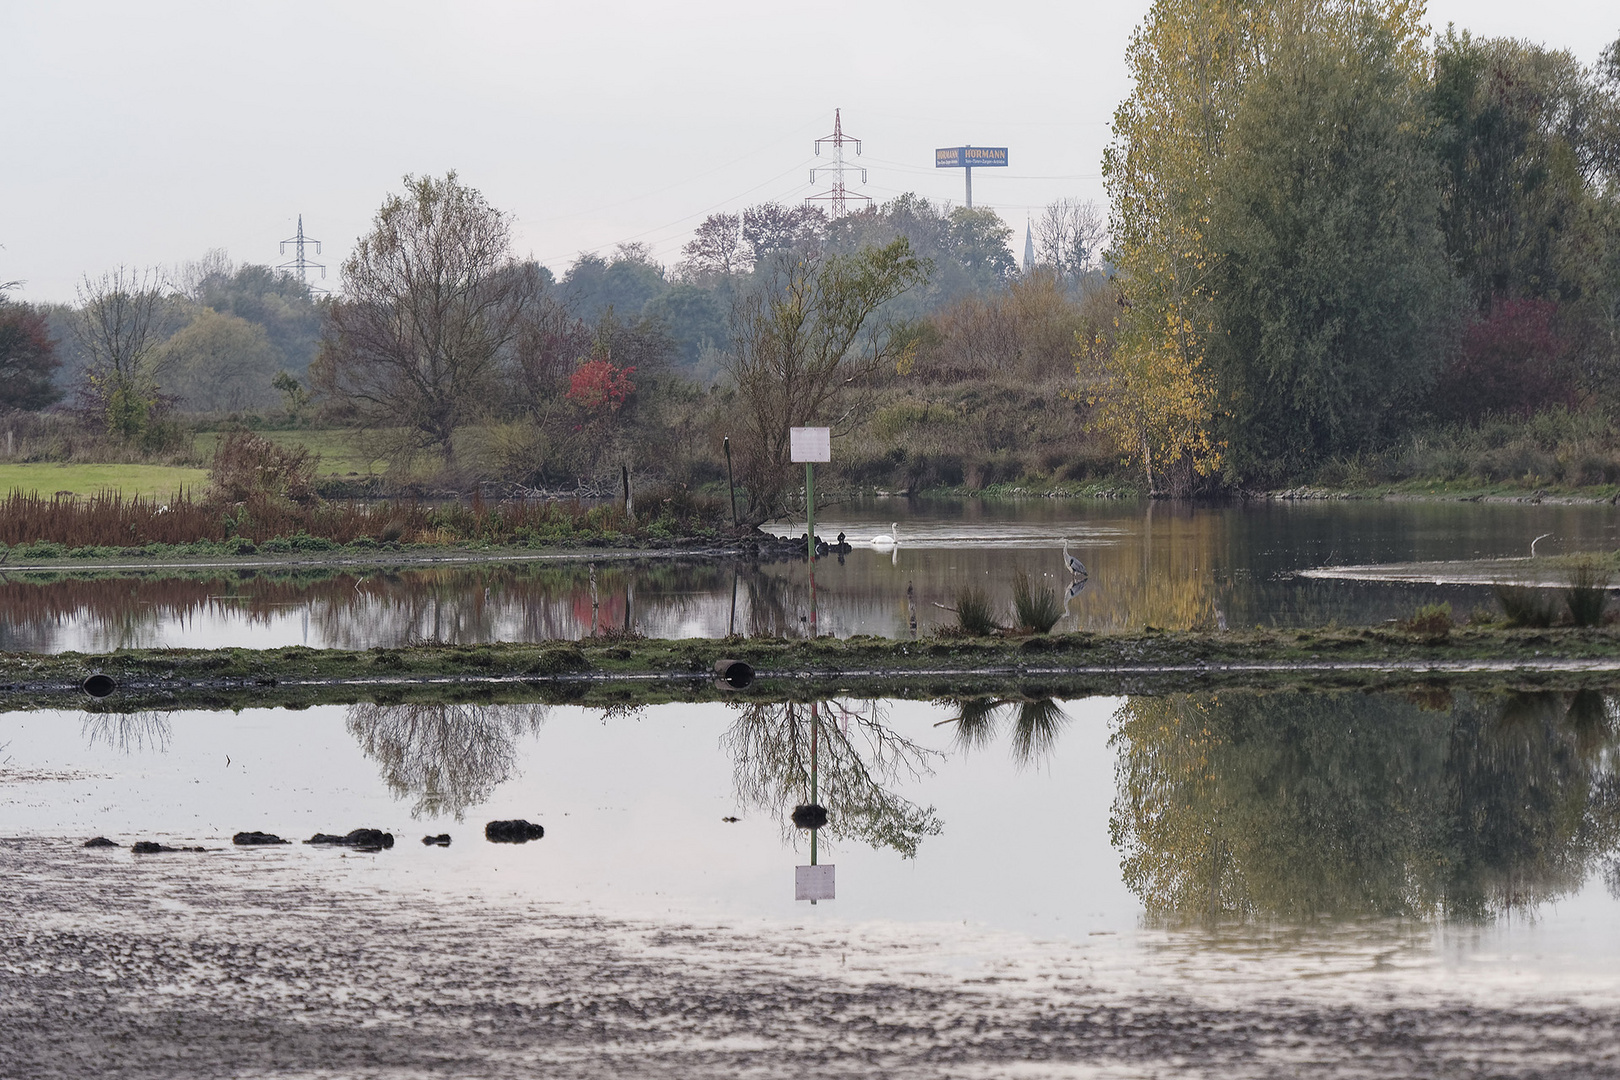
969,157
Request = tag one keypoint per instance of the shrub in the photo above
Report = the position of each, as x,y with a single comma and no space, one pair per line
1587,594
1430,620
1035,609
973,612
1525,605
250,467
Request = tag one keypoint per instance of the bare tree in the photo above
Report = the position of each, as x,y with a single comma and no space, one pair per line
447,756
121,322
771,227
804,342
1069,236
432,299
716,249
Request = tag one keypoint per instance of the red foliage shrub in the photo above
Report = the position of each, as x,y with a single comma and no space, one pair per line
1511,362
598,386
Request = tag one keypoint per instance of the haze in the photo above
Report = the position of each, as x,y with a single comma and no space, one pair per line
147,134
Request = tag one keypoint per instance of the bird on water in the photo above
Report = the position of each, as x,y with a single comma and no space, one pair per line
888,539
1076,567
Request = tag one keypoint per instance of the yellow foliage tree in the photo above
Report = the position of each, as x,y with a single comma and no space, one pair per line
1192,61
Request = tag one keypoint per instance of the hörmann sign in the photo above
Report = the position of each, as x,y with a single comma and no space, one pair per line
969,157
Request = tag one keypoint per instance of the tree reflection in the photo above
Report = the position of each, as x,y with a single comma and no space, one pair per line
447,757
128,732
1299,805
1033,733
858,757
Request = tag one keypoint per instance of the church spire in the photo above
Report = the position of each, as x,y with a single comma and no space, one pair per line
1029,245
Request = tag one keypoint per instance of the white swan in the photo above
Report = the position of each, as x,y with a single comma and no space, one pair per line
888,539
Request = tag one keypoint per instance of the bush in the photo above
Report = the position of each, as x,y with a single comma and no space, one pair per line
1525,605
1035,610
973,612
1430,620
1587,594
249,467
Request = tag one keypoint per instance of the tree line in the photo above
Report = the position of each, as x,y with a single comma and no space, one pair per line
1329,229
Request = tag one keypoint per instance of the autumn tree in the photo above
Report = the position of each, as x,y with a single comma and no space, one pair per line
1189,61
27,357
221,363
432,302
804,341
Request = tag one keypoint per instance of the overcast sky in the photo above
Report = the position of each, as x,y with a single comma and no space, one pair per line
147,133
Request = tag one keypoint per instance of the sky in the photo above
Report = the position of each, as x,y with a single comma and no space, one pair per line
146,134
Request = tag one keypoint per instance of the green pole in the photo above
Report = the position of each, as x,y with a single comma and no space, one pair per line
815,728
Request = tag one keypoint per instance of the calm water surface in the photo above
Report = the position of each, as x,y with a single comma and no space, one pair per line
1296,871
1159,564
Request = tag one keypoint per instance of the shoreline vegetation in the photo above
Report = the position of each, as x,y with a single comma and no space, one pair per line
629,671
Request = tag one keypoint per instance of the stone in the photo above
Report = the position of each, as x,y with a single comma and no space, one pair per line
100,841
359,839
513,832
442,840
251,839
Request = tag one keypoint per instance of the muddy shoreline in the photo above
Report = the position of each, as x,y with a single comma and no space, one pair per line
219,965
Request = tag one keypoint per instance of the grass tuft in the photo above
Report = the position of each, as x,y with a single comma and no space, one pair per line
973,612
1035,609
1587,594
1526,605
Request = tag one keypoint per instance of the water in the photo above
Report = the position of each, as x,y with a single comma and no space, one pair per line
1158,564
1189,883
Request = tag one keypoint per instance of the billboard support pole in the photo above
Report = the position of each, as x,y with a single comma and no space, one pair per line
969,172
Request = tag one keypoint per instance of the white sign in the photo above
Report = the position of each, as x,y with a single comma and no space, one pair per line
813,882
810,444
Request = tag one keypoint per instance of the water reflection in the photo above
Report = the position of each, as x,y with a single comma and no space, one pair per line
1035,725
1297,806
1166,565
128,732
859,760
446,757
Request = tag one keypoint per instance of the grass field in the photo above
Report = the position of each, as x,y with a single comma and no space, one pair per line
340,456
47,478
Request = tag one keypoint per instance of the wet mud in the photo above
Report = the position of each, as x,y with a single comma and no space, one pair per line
236,964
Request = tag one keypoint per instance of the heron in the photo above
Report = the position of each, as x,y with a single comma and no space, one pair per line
1076,567
888,539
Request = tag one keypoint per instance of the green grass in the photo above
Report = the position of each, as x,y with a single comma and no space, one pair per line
340,452
159,481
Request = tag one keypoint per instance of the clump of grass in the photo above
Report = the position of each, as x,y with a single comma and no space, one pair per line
1035,609
1525,605
1430,620
1587,594
973,612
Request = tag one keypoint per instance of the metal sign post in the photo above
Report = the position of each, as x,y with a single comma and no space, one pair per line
810,445
967,158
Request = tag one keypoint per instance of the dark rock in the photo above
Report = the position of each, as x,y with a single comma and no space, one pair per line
359,839
152,847
513,832
442,840
249,839
812,816
731,820
100,841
